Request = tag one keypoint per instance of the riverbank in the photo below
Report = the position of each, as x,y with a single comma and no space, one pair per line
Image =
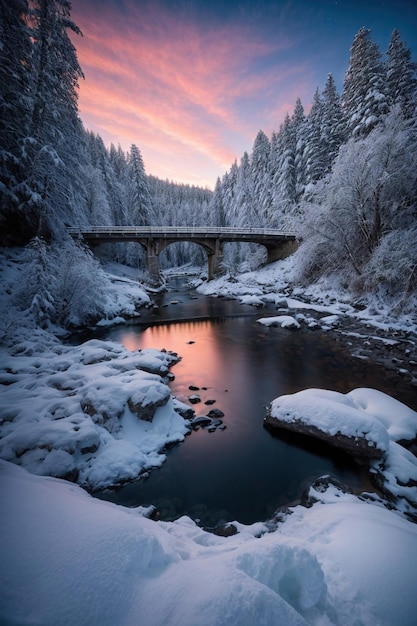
369,330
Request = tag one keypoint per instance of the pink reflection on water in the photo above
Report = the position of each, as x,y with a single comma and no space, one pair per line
195,342
211,363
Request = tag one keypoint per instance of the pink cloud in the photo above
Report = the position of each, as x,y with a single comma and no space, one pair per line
168,84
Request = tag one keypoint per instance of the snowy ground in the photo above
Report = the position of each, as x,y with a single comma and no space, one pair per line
275,283
70,559
97,414
67,558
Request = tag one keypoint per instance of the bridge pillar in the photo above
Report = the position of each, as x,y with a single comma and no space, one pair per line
215,260
281,251
152,261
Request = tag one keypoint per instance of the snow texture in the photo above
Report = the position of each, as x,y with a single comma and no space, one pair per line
96,413
68,558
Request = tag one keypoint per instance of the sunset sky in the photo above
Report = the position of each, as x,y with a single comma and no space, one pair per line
191,82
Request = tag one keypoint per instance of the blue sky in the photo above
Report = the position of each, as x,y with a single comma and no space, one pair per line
191,83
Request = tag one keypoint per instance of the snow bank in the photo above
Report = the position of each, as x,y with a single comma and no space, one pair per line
277,282
95,413
69,558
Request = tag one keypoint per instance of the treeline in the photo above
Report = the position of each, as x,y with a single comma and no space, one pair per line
267,186
53,173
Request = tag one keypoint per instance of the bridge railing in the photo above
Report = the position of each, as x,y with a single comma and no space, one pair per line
176,230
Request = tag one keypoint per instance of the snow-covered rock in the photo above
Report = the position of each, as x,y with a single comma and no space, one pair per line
95,413
364,422
251,299
284,321
332,417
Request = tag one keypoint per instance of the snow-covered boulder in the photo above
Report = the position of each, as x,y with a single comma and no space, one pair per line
366,423
284,321
251,299
332,417
97,413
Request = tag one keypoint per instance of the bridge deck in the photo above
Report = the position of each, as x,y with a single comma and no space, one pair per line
168,232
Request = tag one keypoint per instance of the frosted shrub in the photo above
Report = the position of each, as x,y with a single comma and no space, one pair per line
359,223
392,270
62,285
36,291
80,293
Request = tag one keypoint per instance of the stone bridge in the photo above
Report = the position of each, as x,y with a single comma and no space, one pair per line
279,244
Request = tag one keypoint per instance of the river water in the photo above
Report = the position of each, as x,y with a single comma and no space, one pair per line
243,472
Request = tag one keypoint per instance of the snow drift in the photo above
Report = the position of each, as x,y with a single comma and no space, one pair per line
68,558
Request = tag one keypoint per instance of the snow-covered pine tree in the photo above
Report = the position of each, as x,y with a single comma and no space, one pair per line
325,132
298,124
138,197
229,191
35,293
277,206
284,181
55,157
97,203
314,151
260,173
105,194
241,210
401,76
217,207
119,165
15,74
333,131
364,91
15,109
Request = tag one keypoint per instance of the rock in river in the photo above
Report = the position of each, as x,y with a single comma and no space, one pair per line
331,417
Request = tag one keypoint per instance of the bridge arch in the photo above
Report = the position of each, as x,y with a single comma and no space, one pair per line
212,248
204,251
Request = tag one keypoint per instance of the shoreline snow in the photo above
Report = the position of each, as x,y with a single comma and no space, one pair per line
96,413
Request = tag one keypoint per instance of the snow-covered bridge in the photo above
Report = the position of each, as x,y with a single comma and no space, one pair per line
154,239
